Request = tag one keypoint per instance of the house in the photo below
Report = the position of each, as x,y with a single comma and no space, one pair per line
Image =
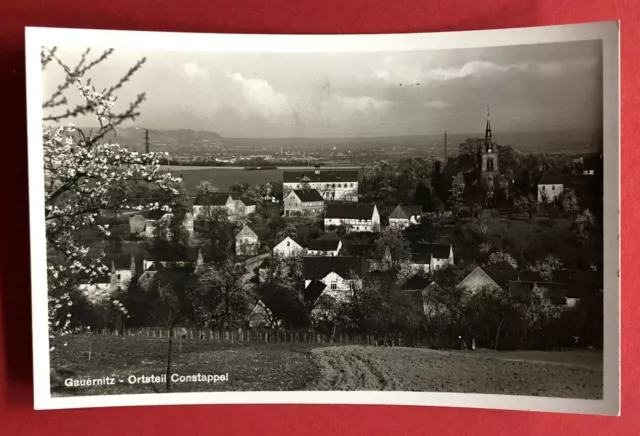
420,287
579,284
122,268
340,274
331,184
375,260
550,185
496,275
288,247
151,264
427,258
356,217
97,290
304,203
233,204
272,192
324,247
148,223
247,243
520,291
403,216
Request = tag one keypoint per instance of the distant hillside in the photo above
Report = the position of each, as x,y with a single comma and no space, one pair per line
185,140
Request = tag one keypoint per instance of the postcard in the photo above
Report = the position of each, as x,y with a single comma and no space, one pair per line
405,219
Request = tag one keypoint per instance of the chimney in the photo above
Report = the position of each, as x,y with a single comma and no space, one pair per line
317,169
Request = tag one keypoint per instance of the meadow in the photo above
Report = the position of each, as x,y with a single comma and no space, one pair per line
256,366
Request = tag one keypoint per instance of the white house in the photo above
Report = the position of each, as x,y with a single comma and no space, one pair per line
427,258
304,203
340,274
331,184
324,247
403,216
233,204
288,247
355,217
550,186
247,243
98,290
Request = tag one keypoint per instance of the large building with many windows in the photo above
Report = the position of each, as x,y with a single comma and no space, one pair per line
338,185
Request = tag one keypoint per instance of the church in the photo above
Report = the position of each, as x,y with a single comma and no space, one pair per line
488,162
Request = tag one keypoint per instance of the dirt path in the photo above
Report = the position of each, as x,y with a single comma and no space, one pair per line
406,369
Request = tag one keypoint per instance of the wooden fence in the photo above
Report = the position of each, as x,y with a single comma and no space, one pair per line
272,336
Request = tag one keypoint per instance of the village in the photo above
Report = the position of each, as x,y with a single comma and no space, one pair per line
324,235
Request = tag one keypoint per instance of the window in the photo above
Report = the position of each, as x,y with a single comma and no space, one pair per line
544,188
351,185
288,243
334,286
339,185
553,188
490,165
118,276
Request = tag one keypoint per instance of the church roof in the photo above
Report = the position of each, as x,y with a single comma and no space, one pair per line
550,177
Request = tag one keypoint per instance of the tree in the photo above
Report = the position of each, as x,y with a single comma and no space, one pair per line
206,188
527,204
422,195
391,240
583,224
546,267
222,297
501,256
82,169
569,203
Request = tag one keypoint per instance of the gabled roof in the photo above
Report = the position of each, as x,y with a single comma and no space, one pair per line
438,251
421,258
246,201
416,282
307,195
324,244
217,199
155,214
326,176
367,250
289,238
501,273
413,210
319,267
349,211
120,261
246,232
399,213
529,276
550,177
313,291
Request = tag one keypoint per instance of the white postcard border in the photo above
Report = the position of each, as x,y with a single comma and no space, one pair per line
608,32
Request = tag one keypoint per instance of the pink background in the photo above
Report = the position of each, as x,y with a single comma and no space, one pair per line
289,16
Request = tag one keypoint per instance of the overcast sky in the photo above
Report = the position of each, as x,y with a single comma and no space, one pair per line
529,88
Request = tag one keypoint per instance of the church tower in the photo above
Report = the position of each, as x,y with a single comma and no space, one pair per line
489,159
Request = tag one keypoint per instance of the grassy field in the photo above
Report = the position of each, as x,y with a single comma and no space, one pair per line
271,366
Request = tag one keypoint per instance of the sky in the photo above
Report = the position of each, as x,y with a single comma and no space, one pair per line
528,88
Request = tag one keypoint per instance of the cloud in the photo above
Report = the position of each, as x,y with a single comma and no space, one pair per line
436,104
261,96
361,104
479,68
193,71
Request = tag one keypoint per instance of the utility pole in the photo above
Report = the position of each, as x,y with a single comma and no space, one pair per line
147,145
445,145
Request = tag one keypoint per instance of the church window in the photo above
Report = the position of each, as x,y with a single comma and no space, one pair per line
490,164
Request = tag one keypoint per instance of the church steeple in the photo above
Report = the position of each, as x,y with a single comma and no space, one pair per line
488,141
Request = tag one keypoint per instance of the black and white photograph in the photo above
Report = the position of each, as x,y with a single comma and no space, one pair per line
420,219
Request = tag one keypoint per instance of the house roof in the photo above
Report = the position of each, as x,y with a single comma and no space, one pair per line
324,244
349,211
421,258
501,273
439,251
120,261
319,267
413,210
155,214
217,199
290,239
246,232
399,213
102,279
245,200
307,195
416,282
550,177
326,176
313,291
366,250
579,283
529,276
520,290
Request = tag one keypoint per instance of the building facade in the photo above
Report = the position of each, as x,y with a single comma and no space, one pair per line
288,247
303,203
404,216
488,161
550,186
247,243
333,185
353,217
